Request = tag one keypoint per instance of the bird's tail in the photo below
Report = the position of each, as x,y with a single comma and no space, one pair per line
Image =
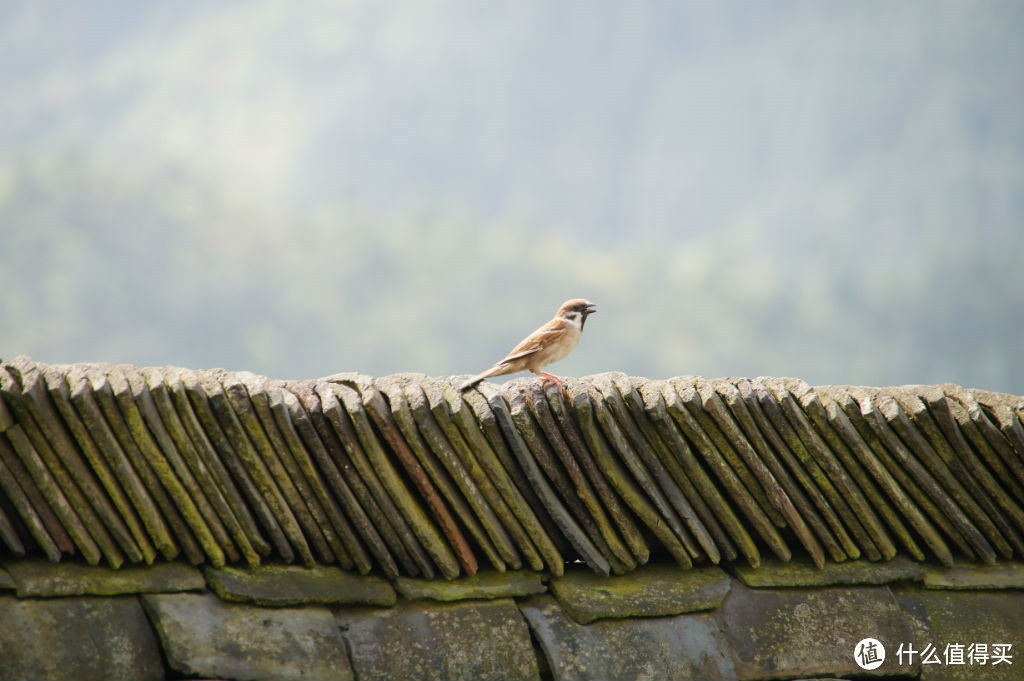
476,380
471,383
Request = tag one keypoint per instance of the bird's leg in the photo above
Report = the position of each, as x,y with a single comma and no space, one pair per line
551,378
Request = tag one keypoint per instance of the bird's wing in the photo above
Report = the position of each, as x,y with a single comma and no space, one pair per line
537,341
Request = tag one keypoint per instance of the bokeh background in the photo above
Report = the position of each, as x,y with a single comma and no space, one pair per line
833,191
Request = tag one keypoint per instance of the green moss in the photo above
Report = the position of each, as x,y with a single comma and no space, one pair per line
41,578
274,585
1004,576
802,573
651,591
487,584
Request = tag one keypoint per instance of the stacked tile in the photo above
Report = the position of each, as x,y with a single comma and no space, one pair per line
406,476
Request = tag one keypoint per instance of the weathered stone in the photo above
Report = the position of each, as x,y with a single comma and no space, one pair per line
452,480
718,517
59,393
931,473
42,578
828,500
205,637
231,409
651,591
292,585
249,396
801,573
728,435
947,413
1003,576
433,493
957,618
28,501
5,580
365,540
911,399
584,479
422,526
152,468
732,395
641,454
583,533
731,484
558,401
914,504
790,632
479,640
900,507
858,515
42,410
53,487
8,535
179,418
676,648
79,639
487,584
399,537
454,418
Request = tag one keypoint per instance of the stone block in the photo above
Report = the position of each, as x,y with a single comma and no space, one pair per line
78,639
294,585
774,574
783,633
963,618
650,591
42,578
1004,576
676,648
204,636
483,585
477,640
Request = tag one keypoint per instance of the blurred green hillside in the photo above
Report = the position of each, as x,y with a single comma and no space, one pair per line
834,192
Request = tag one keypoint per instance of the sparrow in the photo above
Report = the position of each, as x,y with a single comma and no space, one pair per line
548,344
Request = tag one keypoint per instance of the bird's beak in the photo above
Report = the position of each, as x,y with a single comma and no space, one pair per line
587,311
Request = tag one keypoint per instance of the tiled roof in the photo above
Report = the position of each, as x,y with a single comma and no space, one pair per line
404,476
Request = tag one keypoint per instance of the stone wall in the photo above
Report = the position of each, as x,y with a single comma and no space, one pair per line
779,621
621,528
404,475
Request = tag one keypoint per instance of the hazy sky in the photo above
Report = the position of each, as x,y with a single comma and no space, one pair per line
832,191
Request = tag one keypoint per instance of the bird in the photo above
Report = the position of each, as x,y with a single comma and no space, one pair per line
548,344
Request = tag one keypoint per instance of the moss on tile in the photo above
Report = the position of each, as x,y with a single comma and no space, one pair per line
279,585
800,573
1002,576
484,585
650,591
42,578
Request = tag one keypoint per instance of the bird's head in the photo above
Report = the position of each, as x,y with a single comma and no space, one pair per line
576,311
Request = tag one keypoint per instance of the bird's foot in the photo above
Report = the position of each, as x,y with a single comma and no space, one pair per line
551,378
